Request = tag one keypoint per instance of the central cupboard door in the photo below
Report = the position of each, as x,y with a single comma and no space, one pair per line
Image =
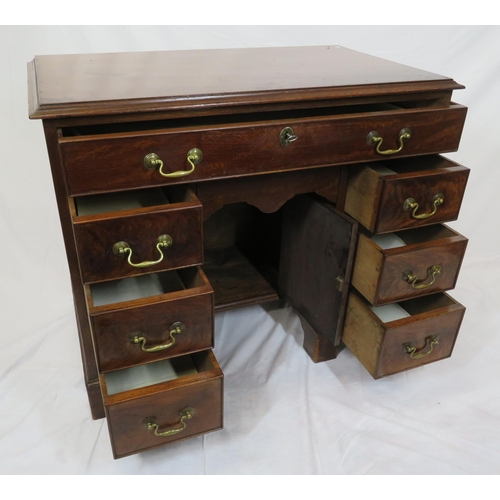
317,251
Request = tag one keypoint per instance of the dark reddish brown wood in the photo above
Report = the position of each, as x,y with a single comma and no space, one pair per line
236,282
317,250
112,162
113,329
96,84
343,179
270,193
126,412
96,235
94,394
84,332
102,116
318,347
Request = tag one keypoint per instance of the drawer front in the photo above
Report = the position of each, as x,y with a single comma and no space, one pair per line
96,237
98,163
396,211
385,276
154,331
149,318
396,355
408,193
178,409
426,336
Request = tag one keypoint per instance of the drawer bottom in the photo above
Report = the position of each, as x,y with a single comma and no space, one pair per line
398,337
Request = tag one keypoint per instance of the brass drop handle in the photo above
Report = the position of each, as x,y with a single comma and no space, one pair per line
185,414
375,138
412,279
122,248
418,354
411,204
194,156
175,329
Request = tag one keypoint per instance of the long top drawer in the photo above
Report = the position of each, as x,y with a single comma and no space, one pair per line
109,161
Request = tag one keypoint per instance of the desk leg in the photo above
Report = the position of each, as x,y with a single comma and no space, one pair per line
316,345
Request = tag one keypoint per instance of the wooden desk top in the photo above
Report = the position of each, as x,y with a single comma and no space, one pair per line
96,84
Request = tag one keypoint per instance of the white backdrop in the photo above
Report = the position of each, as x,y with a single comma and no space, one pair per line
283,414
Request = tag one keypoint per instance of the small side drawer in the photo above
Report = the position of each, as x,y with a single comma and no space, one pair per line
397,337
406,264
162,229
147,318
402,194
163,402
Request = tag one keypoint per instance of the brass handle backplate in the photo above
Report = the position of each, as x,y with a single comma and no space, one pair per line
151,425
375,138
194,156
418,354
122,248
411,204
412,279
175,329
287,136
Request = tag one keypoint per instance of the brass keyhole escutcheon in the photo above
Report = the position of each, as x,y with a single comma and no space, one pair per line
287,136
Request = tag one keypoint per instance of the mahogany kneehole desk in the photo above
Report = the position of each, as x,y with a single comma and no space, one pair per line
193,182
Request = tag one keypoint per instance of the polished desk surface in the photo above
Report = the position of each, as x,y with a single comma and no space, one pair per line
91,84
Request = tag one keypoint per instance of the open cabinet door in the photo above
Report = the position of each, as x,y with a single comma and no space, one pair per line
317,252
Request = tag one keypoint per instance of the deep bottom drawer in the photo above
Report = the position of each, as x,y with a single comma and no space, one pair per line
159,403
397,337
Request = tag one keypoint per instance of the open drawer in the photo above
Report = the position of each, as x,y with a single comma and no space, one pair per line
406,264
137,232
135,155
147,318
397,337
402,194
159,403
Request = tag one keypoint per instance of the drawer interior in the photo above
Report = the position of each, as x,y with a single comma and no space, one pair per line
413,164
115,202
394,312
139,287
173,371
412,236
149,374
130,200
287,114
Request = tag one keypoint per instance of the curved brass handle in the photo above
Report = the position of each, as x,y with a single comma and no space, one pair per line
175,329
411,204
194,156
414,354
185,414
412,278
375,138
122,248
